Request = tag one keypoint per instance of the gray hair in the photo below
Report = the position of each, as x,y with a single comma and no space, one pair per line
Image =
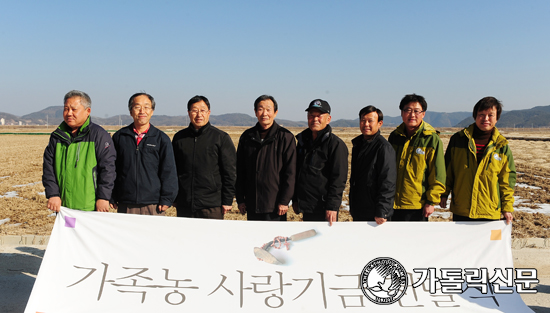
131,101
84,98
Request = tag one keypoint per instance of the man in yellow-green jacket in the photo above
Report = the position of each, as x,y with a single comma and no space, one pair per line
420,163
481,174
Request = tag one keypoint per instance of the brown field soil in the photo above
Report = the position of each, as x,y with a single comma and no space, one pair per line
21,172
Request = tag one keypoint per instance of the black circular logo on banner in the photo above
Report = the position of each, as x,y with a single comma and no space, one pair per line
384,281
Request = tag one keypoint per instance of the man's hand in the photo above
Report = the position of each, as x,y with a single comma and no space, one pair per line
380,220
331,216
242,207
443,203
102,205
113,205
282,209
509,217
226,208
428,210
54,204
163,208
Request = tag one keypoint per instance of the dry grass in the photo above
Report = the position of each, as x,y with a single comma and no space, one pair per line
21,168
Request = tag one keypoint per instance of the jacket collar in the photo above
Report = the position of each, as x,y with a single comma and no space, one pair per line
153,131
425,129
496,138
307,136
201,130
359,140
255,134
64,131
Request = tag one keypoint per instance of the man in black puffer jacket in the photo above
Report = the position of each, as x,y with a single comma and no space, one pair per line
373,172
322,167
206,163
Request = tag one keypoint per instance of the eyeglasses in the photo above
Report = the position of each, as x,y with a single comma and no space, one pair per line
138,108
195,111
411,111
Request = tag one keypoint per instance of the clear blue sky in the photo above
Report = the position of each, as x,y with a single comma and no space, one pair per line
350,53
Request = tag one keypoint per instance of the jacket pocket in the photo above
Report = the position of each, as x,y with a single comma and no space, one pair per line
317,161
488,200
417,164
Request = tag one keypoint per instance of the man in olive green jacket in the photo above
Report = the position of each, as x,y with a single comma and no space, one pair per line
481,174
420,163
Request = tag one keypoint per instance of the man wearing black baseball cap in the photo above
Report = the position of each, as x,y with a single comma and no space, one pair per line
322,167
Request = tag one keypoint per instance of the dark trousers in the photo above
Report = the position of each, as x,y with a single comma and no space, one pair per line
317,216
273,216
210,213
404,215
363,218
142,209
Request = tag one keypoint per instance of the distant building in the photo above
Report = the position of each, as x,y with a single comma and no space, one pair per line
2,121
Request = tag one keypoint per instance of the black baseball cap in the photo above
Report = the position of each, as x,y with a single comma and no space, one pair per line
320,105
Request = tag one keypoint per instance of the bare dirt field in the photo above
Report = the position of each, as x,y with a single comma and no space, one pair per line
22,199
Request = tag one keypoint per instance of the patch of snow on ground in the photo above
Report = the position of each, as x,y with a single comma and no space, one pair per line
29,184
10,194
527,186
42,193
4,177
519,200
544,209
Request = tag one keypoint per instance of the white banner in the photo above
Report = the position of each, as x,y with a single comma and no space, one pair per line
103,262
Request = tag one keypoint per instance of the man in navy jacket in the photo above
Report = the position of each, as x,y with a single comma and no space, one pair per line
146,181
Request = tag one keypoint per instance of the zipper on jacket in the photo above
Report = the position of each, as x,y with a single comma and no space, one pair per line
487,152
473,150
136,171
488,163
77,155
193,174
94,177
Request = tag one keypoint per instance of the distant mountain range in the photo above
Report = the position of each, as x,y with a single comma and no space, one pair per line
436,119
534,117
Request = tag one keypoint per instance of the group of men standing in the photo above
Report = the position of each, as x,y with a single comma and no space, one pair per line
140,171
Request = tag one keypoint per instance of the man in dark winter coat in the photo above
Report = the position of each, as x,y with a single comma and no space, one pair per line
322,167
146,181
266,165
373,170
205,159
79,161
